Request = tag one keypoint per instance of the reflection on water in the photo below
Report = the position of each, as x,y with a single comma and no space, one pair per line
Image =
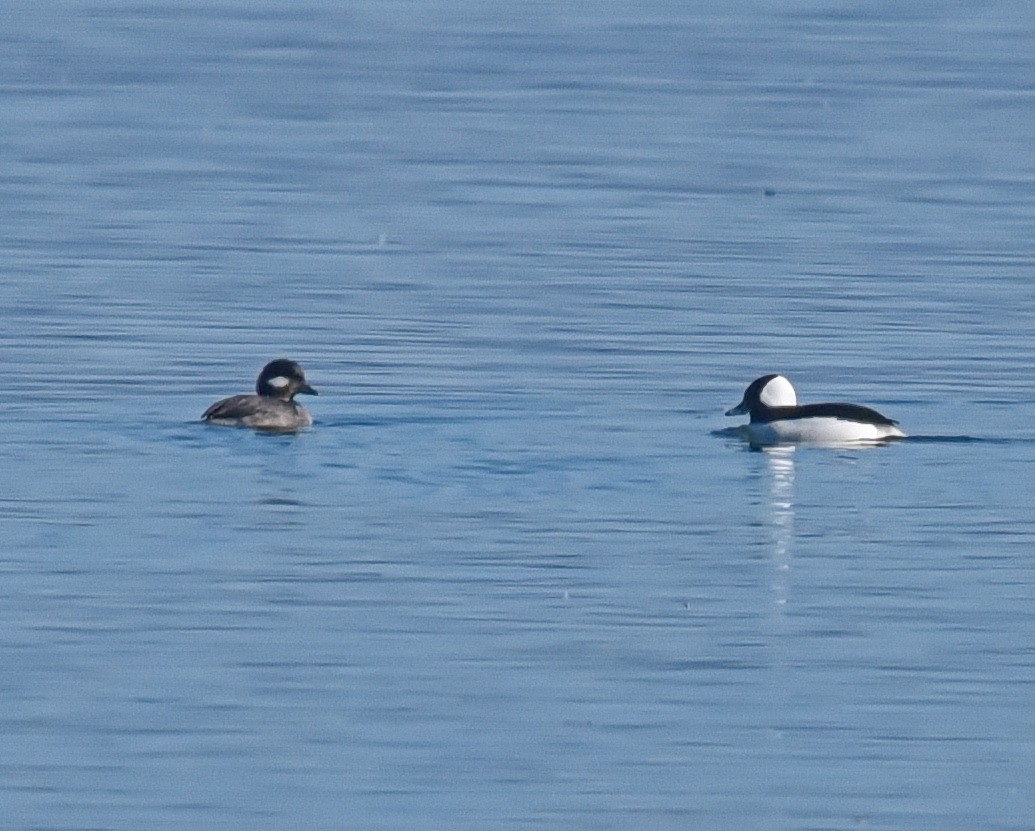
781,518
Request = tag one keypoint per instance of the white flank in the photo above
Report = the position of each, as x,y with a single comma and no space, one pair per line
820,431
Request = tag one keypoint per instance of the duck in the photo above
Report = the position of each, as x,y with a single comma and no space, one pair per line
777,418
273,406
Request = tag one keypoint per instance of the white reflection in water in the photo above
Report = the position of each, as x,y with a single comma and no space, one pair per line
781,517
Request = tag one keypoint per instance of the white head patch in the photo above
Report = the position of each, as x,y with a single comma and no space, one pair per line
278,382
778,393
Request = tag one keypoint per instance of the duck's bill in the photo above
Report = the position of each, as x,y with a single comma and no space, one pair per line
307,390
740,409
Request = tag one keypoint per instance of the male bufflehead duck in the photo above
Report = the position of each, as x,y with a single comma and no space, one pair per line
776,418
273,408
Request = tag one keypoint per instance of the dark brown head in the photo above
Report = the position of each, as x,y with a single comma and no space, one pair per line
282,379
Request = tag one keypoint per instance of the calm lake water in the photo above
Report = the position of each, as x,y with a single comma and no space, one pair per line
519,575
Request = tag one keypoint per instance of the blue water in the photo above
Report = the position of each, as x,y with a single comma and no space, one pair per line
519,575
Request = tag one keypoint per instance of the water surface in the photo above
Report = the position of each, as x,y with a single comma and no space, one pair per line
515,577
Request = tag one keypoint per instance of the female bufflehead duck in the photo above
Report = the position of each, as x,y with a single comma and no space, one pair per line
273,408
776,418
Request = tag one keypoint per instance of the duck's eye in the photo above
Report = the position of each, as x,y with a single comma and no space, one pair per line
279,382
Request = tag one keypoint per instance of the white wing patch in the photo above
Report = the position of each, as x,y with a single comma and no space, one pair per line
279,382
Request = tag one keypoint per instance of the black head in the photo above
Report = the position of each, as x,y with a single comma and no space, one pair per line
282,379
764,393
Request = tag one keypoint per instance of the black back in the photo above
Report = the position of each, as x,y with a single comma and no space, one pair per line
845,412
